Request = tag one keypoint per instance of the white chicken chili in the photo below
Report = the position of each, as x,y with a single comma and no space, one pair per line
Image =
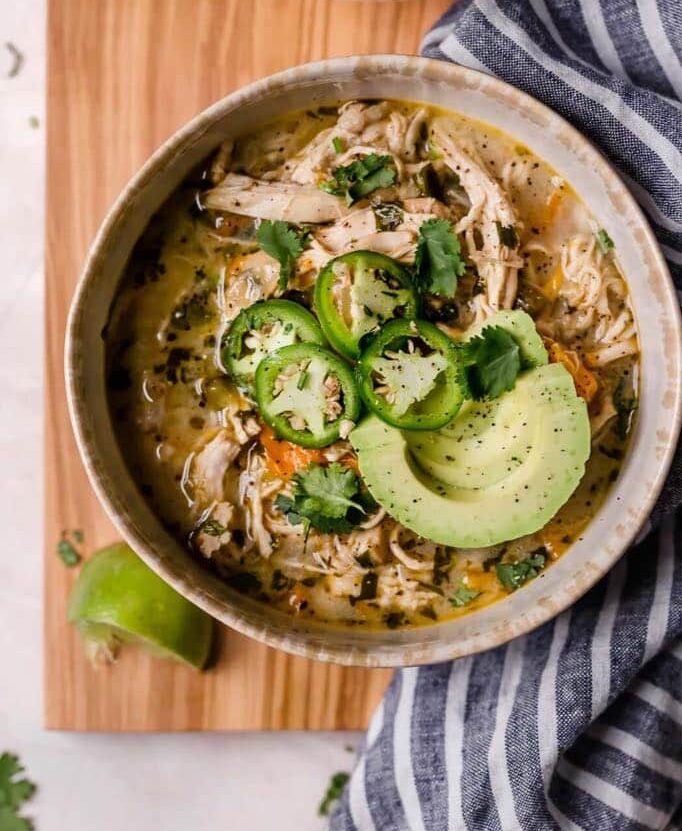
374,364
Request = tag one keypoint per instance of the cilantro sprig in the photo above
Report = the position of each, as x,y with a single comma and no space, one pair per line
438,261
361,177
334,790
491,362
14,791
282,242
514,575
67,551
463,596
326,498
604,241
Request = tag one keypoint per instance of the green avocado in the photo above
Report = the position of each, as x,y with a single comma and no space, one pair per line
522,328
500,470
490,439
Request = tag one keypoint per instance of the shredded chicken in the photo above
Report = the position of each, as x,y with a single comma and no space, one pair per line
421,555
425,205
221,162
315,161
339,449
490,210
359,231
332,397
209,465
596,309
253,490
603,416
249,277
274,200
395,589
214,532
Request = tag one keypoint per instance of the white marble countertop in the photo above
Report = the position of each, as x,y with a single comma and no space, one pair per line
99,782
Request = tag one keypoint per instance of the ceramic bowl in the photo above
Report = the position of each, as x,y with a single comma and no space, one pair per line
656,308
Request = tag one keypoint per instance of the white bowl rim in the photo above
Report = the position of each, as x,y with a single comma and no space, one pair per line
305,644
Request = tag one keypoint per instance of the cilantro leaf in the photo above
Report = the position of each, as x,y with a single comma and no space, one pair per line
282,243
331,488
67,551
334,790
604,241
463,596
338,144
626,406
514,575
14,792
438,261
213,528
325,498
368,588
361,177
388,216
491,362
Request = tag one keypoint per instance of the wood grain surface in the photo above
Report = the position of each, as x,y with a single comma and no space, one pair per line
122,76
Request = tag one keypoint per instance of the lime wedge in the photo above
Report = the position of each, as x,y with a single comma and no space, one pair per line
117,598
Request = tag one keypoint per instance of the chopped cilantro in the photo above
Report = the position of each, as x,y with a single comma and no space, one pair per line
432,150
507,235
280,240
244,582
14,791
67,551
491,362
463,596
361,177
338,144
388,216
334,790
325,498
213,528
368,588
279,581
394,619
514,575
626,407
438,261
604,241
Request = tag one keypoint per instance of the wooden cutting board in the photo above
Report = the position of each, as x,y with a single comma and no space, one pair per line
122,76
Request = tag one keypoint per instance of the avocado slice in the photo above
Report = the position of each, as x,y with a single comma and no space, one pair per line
522,328
459,503
488,439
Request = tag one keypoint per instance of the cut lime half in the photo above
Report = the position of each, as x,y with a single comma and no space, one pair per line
117,598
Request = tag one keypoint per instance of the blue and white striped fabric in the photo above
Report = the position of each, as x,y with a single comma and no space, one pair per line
579,724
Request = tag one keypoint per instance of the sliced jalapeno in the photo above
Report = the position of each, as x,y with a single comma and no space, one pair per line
307,394
260,329
356,293
409,376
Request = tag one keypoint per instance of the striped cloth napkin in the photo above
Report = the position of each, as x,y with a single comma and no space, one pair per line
577,725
